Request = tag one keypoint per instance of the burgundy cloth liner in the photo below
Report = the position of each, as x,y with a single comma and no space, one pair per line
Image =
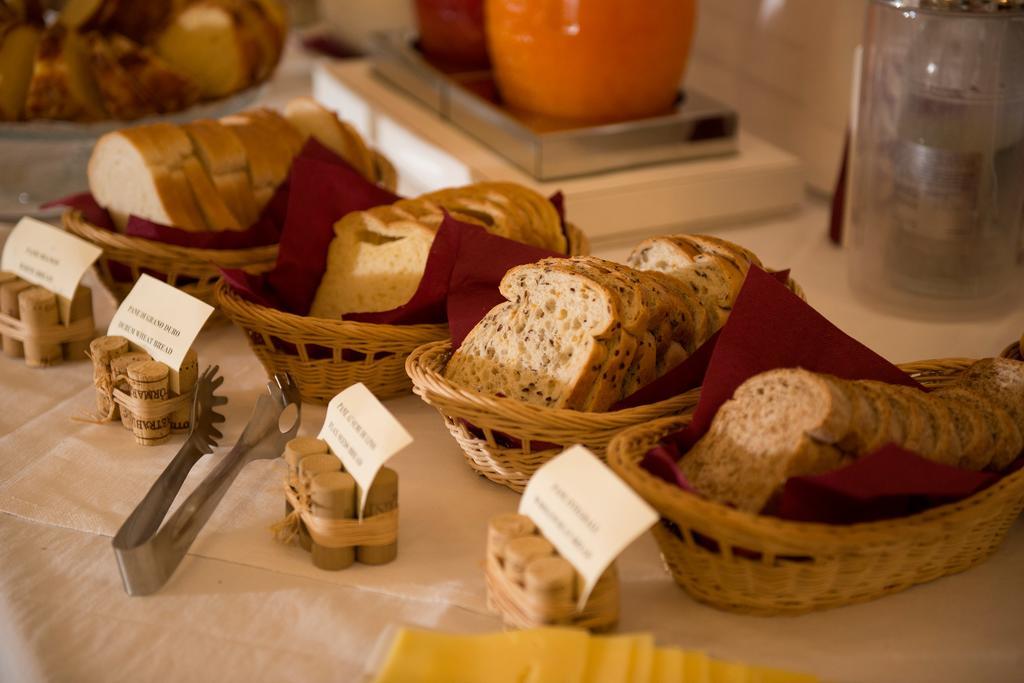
460,281
770,327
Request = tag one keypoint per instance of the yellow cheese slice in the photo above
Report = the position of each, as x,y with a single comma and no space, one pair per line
536,656
668,665
619,659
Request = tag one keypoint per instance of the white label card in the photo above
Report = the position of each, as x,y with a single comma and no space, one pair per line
162,319
47,256
363,434
586,511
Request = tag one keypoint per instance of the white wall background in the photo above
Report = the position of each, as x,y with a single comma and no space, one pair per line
785,65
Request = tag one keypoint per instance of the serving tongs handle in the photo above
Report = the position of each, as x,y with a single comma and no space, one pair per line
146,556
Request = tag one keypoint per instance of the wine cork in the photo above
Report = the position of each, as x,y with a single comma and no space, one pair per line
309,467
147,381
119,377
38,310
181,382
294,451
549,582
71,311
103,350
332,495
382,497
503,528
9,292
520,552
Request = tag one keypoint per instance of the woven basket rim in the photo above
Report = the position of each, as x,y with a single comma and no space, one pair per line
424,365
235,305
819,534
76,223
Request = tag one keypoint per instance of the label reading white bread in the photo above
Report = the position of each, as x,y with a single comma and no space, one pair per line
47,256
363,434
161,319
588,513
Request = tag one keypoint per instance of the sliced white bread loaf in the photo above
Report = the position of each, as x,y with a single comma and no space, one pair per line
139,171
223,156
374,263
19,44
312,119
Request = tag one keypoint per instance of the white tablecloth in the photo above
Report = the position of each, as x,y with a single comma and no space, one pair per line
242,607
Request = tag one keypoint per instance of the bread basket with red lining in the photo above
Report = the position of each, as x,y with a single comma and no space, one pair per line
878,523
762,565
193,270
325,355
506,440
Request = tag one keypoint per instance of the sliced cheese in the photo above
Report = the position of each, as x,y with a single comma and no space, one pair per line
618,659
667,666
17,53
537,656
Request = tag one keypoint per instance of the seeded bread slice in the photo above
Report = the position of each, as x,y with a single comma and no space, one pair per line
556,345
635,313
745,459
645,366
977,440
938,440
1006,439
793,398
691,318
1002,381
872,420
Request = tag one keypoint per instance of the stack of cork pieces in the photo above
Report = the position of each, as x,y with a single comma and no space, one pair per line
42,327
152,400
322,503
530,585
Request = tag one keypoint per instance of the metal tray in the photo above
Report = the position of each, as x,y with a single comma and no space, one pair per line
549,148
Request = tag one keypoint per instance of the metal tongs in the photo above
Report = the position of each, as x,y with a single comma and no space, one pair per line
147,554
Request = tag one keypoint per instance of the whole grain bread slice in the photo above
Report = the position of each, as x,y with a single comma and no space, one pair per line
1006,438
547,344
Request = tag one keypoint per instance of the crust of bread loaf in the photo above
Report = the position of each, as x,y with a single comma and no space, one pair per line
224,159
312,119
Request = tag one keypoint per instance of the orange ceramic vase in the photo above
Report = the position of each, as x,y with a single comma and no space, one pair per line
590,60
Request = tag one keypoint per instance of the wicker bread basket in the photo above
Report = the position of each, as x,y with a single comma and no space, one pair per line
324,356
507,440
194,271
768,566
482,423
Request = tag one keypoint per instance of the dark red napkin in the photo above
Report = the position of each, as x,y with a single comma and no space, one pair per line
267,230
460,280
891,482
770,327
